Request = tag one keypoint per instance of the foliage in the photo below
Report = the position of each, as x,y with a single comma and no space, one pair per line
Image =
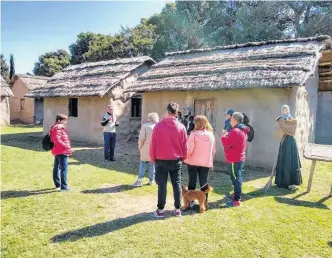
4,68
195,24
51,63
12,66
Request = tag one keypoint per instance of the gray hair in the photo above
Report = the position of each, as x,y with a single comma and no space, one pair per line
153,117
238,116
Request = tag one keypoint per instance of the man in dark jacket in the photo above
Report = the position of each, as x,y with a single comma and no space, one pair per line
235,144
228,115
168,149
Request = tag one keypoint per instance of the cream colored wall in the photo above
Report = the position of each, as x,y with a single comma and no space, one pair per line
86,127
303,104
5,113
261,105
19,89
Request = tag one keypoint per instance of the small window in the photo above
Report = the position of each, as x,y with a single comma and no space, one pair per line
22,104
136,106
73,107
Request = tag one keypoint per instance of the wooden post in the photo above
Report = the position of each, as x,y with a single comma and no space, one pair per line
313,165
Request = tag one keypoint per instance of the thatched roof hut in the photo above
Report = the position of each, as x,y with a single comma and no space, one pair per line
272,64
90,79
30,81
5,89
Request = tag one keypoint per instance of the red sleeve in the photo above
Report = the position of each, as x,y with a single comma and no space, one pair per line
153,146
184,143
231,139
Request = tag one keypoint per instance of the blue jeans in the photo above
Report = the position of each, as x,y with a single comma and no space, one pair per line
60,170
235,170
142,168
109,145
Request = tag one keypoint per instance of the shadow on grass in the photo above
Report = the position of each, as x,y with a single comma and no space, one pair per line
107,227
307,204
112,189
20,194
28,141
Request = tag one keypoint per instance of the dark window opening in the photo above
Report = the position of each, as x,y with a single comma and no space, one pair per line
73,107
136,107
22,104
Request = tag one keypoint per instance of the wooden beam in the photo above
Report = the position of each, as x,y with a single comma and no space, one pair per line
312,170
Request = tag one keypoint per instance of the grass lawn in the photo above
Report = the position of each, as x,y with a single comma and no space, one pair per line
104,217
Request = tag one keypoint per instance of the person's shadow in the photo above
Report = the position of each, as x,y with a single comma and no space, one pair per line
108,227
25,193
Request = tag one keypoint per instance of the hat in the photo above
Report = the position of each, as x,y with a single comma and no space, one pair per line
229,112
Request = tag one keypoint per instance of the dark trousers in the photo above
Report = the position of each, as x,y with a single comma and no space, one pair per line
173,168
60,171
109,145
202,173
235,170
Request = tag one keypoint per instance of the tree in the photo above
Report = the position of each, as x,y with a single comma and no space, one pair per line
51,63
12,66
81,46
4,68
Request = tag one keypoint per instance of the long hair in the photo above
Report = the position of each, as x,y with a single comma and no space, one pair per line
202,123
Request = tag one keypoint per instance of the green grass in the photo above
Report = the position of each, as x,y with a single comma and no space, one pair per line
104,217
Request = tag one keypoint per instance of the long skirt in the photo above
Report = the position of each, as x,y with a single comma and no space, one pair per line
288,169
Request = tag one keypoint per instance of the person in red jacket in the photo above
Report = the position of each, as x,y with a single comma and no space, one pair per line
168,149
235,144
61,151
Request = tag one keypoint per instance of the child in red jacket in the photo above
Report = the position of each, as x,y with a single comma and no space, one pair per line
61,151
235,144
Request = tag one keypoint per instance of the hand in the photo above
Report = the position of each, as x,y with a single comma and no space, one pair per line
224,133
110,118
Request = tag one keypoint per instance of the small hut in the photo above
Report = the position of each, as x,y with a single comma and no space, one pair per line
6,92
83,92
255,78
24,109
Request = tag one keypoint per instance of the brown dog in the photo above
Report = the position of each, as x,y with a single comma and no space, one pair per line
192,195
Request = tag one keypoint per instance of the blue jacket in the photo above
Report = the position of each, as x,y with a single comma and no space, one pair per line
228,126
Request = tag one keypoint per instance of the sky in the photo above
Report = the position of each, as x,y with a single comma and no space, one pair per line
29,29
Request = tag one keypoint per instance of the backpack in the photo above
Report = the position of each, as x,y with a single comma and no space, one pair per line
47,143
251,133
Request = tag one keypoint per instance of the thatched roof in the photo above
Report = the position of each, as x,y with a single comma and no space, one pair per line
5,89
90,79
279,63
30,81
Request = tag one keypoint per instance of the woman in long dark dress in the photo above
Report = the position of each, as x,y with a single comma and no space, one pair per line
288,169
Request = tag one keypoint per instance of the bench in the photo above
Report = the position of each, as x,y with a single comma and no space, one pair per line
316,152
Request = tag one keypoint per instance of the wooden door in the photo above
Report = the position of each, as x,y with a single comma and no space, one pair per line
205,107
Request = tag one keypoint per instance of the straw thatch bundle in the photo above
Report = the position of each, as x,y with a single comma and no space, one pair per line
279,63
5,89
89,79
30,81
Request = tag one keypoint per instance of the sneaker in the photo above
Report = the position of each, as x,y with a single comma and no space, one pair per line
292,187
138,183
192,204
66,189
57,188
151,182
158,214
233,204
112,159
177,213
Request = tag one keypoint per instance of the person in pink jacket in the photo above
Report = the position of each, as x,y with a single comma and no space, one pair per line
201,152
61,151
